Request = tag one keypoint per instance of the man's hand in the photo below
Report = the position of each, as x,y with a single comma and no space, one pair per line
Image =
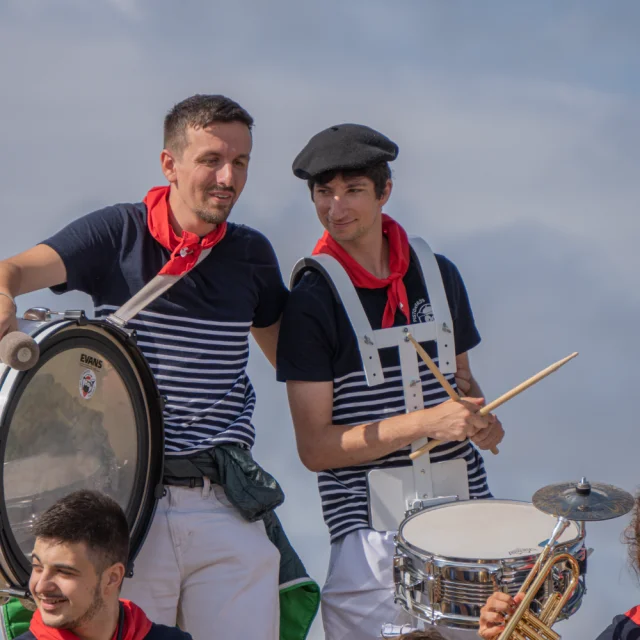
493,613
464,378
8,320
453,420
491,436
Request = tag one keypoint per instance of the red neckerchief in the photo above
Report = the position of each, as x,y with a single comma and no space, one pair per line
185,249
398,265
136,625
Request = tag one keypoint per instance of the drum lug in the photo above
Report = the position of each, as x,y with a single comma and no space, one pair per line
77,315
20,594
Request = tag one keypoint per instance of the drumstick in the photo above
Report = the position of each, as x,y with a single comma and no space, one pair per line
503,398
525,385
445,385
434,369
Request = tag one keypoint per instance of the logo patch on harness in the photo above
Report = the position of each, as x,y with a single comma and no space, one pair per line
422,312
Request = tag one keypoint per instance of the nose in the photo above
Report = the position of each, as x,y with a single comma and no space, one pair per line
337,209
225,175
44,584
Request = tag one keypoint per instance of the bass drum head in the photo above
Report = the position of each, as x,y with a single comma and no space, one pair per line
86,416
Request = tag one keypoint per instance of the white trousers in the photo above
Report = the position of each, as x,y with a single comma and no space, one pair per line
206,569
357,598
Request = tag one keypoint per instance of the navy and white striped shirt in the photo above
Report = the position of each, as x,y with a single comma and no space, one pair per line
317,343
196,335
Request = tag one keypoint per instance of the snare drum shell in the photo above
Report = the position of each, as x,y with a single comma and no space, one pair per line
451,589
72,332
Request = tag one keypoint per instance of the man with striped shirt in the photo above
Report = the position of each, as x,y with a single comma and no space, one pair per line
344,427
203,566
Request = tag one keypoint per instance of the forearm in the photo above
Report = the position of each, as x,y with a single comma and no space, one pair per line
10,277
475,391
345,446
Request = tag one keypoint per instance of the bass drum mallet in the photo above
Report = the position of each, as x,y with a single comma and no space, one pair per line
19,351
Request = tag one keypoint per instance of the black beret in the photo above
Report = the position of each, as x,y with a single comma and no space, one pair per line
343,147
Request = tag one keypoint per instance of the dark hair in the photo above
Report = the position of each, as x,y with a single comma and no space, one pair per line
632,537
430,633
379,174
200,111
90,517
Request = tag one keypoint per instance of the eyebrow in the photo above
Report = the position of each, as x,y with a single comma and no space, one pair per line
207,154
67,567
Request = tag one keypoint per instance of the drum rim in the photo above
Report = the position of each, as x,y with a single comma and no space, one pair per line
480,564
14,568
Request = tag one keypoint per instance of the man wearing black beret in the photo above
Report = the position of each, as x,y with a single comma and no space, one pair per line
355,409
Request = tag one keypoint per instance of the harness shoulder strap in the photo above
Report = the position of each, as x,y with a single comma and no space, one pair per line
347,295
439,304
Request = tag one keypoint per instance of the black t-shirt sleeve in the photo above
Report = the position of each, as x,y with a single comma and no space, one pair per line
89,247
308,340
464,327
622,628
272,293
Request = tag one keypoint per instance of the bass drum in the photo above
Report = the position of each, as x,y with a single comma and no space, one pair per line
88,415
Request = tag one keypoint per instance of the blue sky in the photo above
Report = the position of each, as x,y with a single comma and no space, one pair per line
519,144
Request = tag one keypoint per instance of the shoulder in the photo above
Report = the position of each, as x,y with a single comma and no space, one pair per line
623,627
448,269
311,287
249,241
162,632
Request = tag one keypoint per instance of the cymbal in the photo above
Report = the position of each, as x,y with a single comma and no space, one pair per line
583,501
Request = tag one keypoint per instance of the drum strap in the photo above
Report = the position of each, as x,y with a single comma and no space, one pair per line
152,290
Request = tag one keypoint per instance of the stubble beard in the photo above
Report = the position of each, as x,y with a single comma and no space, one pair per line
94,608
214,216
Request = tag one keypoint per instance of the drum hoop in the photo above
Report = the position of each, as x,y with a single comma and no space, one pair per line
483,564
149,487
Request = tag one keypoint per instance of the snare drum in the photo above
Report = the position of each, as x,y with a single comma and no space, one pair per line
452,557
88,415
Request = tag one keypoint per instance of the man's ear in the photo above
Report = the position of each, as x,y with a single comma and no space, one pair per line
168,165
113,577
386,194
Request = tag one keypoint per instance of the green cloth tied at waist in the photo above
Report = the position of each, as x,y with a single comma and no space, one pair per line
255,494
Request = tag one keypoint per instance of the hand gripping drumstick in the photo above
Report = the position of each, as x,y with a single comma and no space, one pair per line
505,397
19,350
446,386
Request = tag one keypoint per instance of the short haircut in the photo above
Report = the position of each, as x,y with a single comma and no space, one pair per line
378,173
430,633
200,111
90,517
632,537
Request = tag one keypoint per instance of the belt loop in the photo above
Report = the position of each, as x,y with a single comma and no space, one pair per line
206,487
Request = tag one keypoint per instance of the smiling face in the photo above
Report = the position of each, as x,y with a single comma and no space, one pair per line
68,590
348,207
209,174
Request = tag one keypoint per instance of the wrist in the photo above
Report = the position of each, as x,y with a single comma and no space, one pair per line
6,300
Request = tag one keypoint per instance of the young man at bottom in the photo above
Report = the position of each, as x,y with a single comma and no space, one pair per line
344,428
78,564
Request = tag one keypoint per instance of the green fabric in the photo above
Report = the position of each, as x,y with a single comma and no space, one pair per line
15,619
299,605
